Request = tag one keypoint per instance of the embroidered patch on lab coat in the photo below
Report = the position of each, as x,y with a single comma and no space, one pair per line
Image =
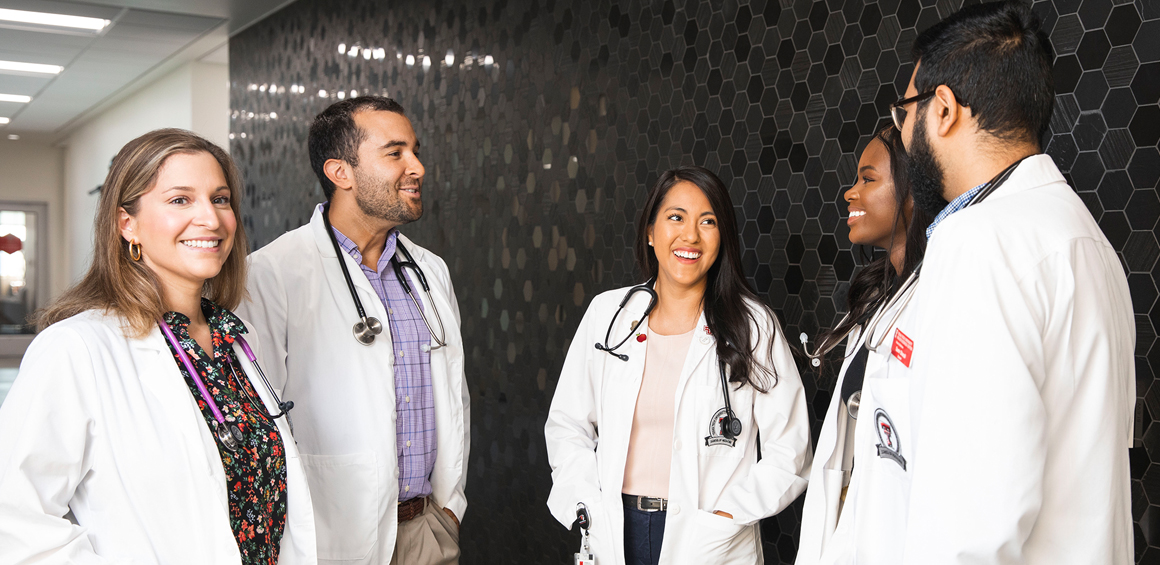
717,431
889,444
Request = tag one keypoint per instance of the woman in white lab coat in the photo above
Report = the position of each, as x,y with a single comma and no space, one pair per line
882,215
641,433
111,450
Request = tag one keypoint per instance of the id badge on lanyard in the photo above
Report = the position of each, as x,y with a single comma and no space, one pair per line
584,556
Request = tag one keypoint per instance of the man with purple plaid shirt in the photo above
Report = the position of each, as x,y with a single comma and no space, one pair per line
387,486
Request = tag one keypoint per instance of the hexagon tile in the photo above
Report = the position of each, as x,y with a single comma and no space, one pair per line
543,122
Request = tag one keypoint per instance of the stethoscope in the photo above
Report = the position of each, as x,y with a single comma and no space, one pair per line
229,434
731,424
900,298
852,389
368,327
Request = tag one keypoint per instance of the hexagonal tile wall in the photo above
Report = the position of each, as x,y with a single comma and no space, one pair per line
544,122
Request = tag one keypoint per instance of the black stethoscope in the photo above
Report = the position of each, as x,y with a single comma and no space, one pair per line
368,327
730,424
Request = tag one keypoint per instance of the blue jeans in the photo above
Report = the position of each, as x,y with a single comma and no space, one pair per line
643,534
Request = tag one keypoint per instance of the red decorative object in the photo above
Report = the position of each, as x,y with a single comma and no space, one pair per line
11,244
707,332
641,337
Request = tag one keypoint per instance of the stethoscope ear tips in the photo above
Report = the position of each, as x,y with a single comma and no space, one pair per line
816,362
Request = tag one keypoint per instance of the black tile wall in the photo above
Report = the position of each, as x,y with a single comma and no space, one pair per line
544,121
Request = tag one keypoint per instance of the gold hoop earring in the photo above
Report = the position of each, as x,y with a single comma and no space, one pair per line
134,251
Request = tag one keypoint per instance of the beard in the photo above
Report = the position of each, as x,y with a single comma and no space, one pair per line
925,172
381,199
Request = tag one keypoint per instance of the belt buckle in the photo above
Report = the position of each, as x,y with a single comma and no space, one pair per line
660,505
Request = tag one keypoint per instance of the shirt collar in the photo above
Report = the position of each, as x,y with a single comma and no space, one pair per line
955,205
218,318
349,246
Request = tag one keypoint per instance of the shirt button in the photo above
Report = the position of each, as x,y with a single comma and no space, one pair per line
400,353
406,488
390,310
408,443
407,398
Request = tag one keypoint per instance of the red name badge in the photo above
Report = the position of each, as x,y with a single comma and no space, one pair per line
903,348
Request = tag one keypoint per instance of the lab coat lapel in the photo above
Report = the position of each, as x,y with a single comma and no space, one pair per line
163,379
622,382
699,347
337,282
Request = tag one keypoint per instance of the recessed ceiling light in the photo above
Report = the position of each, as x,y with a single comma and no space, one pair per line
3,121
30,68
21,99
13,137
57,20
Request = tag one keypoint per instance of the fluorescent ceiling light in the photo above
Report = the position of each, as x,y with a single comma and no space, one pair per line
15,98
58,20
30,68
3,121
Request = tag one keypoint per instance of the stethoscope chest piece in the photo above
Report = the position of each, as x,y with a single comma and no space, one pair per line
366,329
229,435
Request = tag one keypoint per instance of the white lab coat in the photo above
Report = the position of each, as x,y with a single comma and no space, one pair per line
590,421
344,392
1015,414
105,427
830,472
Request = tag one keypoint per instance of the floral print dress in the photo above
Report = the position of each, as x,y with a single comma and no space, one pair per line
256,472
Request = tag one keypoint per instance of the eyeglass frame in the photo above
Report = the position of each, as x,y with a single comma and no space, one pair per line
898,112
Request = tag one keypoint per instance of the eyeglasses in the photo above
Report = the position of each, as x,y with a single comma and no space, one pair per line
898,110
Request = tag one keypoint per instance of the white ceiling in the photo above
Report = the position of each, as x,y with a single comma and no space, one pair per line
147,39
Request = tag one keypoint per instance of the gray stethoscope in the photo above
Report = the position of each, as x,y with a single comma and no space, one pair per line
229,435
368,327
731,424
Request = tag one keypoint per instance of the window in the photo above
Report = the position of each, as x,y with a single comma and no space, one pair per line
23,280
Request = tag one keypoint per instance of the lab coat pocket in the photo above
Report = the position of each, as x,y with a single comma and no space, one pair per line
345,510
719,540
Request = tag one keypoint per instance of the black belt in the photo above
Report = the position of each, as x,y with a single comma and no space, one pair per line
645,503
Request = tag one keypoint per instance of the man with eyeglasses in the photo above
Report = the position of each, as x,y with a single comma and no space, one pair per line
999,430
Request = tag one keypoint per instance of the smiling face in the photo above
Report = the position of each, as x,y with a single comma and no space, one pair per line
184,222
389,176
684,237
872,203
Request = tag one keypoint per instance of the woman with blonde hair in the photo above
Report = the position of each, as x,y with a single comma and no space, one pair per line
137,430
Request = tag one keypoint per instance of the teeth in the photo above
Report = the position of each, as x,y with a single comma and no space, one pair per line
857,213
687,254
202,243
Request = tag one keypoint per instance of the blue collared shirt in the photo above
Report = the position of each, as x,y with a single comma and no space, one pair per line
955,205
415,439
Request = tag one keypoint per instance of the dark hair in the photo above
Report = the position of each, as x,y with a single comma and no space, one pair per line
997,61
334,135
729,300
877,280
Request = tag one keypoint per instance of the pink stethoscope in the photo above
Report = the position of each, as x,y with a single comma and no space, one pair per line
229,435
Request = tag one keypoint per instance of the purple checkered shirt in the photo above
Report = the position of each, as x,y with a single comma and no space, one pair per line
414,400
